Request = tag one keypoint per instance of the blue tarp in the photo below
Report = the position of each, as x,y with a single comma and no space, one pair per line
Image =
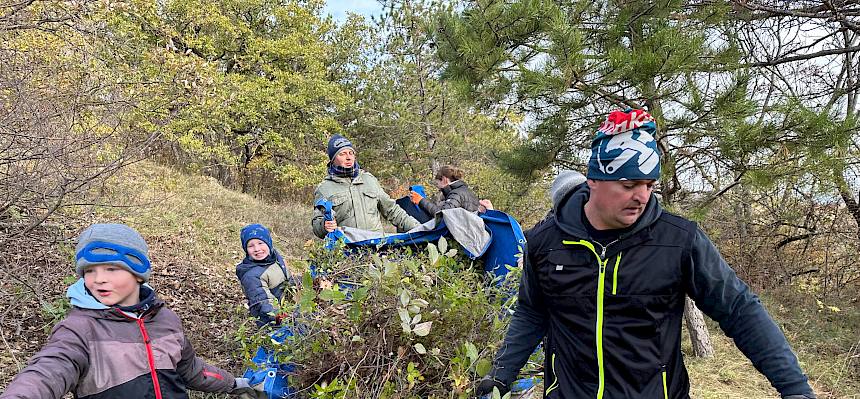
269,371
506,242
412,209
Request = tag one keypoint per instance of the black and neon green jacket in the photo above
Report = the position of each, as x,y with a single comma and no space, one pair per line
611,317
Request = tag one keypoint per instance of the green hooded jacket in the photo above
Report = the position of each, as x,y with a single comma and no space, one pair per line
358,203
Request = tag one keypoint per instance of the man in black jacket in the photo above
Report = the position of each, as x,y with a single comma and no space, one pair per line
604,283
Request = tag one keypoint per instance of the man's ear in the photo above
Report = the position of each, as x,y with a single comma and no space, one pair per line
139,280
591,183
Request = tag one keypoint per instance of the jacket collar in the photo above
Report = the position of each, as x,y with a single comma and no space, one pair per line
83,300
452,186
569,214
247,264
147,301
345,180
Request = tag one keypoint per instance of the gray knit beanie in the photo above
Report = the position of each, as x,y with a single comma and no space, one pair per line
115,244
563,183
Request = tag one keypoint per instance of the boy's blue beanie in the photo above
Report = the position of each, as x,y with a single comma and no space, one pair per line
624,148
257,231
114,244
337,143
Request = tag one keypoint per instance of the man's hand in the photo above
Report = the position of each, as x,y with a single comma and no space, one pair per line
485,387
415,197
330,225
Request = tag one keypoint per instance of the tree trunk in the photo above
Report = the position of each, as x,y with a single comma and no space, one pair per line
246,176
699,335
670,184
844,189
847,195
853,206
429,134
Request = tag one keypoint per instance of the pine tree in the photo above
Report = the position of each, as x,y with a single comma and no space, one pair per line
568,63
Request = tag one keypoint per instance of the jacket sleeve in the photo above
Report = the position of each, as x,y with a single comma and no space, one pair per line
528,327
201,376
57,368
317,218
393,212
259,302
429,206
454,200
720,294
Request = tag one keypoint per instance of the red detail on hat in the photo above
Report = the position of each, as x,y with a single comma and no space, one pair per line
620,121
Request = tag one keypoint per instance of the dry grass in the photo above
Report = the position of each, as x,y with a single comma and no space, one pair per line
825,342
728,375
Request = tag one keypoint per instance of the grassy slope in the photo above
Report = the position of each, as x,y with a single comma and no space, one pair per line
192,225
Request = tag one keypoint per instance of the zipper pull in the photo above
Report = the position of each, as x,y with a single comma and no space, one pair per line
603,253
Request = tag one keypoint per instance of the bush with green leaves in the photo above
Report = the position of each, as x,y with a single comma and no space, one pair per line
413,322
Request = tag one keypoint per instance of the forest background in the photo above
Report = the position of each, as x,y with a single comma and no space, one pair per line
188,119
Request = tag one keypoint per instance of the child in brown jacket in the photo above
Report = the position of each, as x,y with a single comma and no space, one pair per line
119,340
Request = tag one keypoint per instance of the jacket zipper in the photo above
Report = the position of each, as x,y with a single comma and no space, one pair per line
149,356
615,274
601,281
617,262
601,284
665,383
554,384
355,203
151,359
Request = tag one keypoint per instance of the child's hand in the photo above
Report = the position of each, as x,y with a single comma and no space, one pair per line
245,390
484,205
330,225
415,197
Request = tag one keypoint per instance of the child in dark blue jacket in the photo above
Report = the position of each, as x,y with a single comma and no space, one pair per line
263,275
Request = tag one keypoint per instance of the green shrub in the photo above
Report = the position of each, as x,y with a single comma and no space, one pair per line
396,324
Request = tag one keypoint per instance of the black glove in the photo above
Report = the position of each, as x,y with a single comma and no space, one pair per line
805,396
485,387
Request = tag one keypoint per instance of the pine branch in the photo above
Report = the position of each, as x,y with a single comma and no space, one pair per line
803,57
818,12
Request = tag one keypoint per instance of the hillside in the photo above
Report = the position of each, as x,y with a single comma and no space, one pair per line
192,226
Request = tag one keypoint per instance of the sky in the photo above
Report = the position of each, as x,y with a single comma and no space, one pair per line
339,8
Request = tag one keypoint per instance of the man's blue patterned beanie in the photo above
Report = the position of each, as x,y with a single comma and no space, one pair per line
624,148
